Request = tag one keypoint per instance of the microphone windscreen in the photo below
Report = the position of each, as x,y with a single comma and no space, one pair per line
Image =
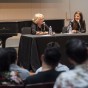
44,23
78,21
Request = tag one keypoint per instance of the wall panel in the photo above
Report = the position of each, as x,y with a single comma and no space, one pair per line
52,9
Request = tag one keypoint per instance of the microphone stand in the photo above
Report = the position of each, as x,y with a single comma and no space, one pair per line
44,26
79,25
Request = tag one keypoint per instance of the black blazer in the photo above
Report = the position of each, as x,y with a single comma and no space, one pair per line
34,28
80,27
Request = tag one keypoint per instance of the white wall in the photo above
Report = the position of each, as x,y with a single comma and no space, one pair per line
52,9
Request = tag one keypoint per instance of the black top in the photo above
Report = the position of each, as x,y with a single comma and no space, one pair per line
34,28
80,27
42,77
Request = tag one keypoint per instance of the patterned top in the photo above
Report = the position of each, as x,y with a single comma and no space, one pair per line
7,78
77,78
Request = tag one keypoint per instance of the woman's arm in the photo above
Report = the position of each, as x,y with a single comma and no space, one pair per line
33,28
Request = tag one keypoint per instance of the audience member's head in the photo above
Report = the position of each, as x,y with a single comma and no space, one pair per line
76,50
4,60
12,54
52,54
7,57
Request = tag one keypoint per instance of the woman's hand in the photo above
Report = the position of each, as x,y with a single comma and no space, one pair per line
74,31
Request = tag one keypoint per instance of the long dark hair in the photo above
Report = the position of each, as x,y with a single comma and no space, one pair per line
81,16
75,23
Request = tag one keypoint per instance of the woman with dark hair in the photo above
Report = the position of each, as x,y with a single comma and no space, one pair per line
7,77
78,24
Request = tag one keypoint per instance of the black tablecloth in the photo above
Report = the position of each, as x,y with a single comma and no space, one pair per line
32,46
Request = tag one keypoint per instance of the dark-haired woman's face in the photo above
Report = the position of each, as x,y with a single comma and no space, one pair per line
77,17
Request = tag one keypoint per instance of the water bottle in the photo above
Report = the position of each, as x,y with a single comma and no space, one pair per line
69,28
50,30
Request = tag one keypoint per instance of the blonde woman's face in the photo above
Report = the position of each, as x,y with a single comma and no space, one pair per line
77,17
40,21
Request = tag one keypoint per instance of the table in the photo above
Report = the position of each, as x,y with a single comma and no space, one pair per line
32,46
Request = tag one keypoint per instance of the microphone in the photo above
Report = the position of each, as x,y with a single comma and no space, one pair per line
79,24
43,22
44,25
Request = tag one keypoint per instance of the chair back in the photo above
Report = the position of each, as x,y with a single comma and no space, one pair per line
41,85
64,30
26,30
11,86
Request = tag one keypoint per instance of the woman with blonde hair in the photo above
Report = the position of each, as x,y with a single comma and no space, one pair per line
38,24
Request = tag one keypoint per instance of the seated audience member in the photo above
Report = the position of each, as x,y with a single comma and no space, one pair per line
78,77
23,73
78,24
59,67
7,77
50,60
38,25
